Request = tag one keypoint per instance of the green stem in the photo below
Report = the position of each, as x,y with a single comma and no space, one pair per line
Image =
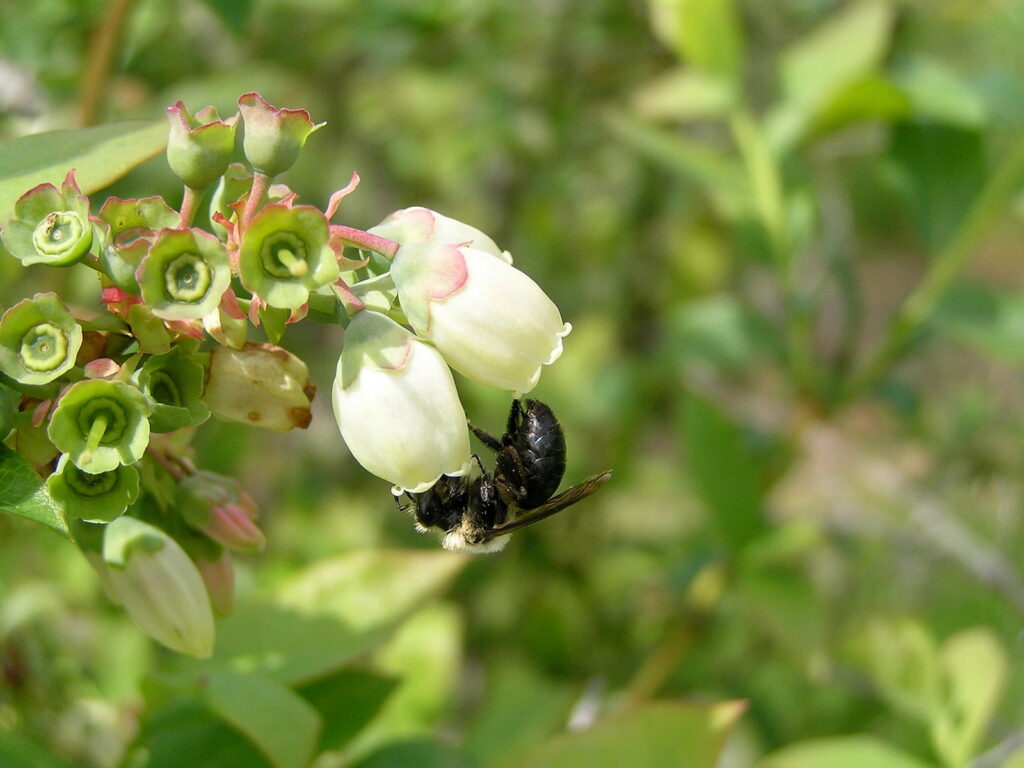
944,269
189,203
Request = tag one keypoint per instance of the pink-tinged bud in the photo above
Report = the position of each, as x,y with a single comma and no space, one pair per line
217,506
489,320
261,385
273,137
219,578
422,225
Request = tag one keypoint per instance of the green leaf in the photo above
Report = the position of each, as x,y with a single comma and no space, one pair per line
723,178
685,95
520,708
187,733
17,751
725,470
871,97
938,95
22,492
975,670
945,167
847,46
101,155
992,321
331,613
660,735
705,33
421,753
841,752
284,726
901,657
347,701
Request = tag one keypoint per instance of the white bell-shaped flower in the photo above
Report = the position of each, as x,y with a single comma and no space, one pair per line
397,406
422,225
159,585
492,323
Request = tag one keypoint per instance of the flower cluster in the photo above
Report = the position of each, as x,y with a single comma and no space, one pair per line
111,402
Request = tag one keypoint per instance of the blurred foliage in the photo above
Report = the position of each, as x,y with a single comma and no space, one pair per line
788,236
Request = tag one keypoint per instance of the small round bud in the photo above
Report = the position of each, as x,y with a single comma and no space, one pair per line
492,323
101,423
261,385
285,254
397,407
174,382
97,498
159,586
273,137
49,226
39,340
199,147
185,274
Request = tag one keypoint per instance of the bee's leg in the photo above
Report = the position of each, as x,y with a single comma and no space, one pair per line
486,438
511,475
403,507
480,464
515,419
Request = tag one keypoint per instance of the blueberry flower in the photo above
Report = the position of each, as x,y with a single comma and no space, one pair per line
397,407
492,323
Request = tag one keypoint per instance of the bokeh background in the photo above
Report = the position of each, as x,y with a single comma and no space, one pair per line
788,234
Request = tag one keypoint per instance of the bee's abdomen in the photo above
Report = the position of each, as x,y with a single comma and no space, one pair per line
541,447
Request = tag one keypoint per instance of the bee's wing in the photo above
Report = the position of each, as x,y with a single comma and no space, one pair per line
565,499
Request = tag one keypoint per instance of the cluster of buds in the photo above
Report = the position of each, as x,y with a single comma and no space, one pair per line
104,405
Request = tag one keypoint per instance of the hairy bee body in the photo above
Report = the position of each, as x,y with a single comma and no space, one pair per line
477,513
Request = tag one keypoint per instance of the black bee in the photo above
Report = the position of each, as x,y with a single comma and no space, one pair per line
477,513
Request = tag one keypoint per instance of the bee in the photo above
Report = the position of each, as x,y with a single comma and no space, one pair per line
477,514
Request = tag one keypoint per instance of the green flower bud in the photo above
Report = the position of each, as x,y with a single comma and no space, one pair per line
199,147
159,586
261,385
130,226
101,423
184,275
285,254
39,340
50,226
273,137
97,498
217,506
233,184
174,382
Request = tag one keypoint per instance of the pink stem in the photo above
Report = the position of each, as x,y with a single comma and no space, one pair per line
188,205
366,241
260,183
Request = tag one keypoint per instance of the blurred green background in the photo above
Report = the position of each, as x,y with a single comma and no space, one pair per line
788,236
